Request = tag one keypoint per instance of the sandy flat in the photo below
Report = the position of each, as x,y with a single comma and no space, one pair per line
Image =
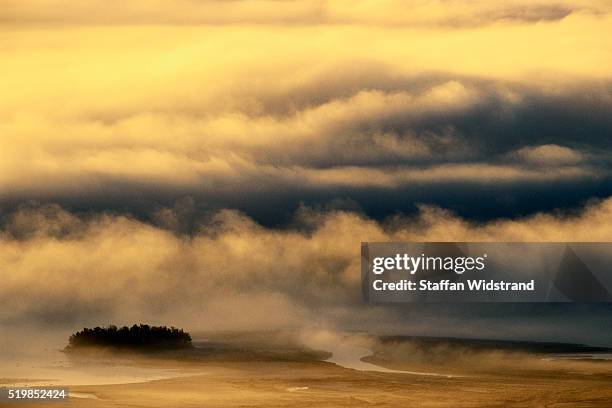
285,384
268,374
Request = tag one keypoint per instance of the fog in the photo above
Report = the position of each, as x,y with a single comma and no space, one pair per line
65,270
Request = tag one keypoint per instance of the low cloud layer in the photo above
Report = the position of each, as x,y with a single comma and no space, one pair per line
65,270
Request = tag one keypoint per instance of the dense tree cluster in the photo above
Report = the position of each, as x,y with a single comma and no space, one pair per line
140,336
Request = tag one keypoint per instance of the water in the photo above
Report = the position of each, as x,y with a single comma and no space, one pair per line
85,395
348,355
581,356
52,368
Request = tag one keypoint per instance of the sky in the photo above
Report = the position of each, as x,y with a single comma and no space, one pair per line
195,151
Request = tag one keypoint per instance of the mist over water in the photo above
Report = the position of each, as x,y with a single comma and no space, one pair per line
65,271
31,357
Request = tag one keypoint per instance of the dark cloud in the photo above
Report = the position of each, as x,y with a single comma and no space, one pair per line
482,148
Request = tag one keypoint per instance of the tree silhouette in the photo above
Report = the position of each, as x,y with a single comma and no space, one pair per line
140,336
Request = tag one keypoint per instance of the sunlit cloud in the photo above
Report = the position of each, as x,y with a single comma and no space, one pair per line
430,13
153,122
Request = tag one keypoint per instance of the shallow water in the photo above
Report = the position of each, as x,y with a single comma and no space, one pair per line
85,395
53,368
581,356
348,355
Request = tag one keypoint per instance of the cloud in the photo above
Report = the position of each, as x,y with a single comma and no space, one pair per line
271,12
65,269
550,154
465,173
396,132
138,105
173,134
